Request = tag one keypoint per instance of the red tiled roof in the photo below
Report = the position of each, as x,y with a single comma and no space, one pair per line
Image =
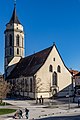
74,72
78,74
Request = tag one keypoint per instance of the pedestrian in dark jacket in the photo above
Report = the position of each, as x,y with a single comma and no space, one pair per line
20,112
27,113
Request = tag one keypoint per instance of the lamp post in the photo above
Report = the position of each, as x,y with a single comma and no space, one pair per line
69,99
68,96
69,103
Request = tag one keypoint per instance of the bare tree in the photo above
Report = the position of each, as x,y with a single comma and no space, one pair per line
4,89
16,87
38,85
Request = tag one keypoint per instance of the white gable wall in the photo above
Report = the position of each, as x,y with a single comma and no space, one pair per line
64,78
44,78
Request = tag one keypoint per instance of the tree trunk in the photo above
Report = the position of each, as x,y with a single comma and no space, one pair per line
1,100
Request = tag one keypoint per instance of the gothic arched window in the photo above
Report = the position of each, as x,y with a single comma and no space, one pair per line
5,41
51,68
10,51
17,40
54,80
10,40
17,51
58,68
30,84
26,85
22,41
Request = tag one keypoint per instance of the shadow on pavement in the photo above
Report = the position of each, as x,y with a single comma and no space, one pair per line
77,117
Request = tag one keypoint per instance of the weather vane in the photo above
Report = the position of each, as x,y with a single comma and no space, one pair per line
14,2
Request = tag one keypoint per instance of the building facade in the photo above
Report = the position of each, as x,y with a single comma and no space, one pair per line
77,84
40,74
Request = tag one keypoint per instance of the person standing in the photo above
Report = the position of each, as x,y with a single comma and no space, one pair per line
27,113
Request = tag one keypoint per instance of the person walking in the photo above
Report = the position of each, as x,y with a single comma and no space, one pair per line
27,113
20,112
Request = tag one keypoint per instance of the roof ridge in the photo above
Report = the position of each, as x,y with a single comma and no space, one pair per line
38,52
27,66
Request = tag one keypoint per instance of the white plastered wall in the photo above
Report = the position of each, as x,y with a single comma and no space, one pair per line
64,78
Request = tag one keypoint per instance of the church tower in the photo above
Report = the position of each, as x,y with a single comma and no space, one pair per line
14,43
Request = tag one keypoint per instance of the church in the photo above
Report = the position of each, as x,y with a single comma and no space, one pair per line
41,74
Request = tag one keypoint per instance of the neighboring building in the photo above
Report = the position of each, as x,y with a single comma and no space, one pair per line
77,83
73,72
42,73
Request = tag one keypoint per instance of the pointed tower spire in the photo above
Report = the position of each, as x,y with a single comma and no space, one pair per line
14,18
14,42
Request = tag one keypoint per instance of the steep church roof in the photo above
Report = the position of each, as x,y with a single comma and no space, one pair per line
29,65
14,18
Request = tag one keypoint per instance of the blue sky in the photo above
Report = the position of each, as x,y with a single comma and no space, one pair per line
45,22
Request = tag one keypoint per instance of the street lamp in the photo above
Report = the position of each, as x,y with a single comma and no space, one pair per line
68,96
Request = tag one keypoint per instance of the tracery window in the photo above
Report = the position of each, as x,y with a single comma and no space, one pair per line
10,40
30,84
10,51
17,51
54,80
22,41
5,41
17,40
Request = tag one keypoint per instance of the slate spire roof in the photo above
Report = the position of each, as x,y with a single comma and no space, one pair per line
14,18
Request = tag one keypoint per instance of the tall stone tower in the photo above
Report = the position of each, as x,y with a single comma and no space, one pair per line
14,43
